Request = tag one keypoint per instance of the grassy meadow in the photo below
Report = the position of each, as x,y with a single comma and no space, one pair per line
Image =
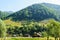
26,38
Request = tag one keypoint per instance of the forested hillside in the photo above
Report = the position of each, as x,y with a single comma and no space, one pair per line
54,6
4,14
35,12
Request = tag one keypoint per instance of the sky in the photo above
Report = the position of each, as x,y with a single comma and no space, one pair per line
15,5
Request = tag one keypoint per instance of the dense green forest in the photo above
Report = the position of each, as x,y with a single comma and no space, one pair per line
37,20
36,12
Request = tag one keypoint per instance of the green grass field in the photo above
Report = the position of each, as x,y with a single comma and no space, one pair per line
25,38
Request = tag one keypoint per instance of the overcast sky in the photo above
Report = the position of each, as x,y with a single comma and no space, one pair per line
15,5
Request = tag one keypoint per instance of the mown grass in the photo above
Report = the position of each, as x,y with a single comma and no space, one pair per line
25,38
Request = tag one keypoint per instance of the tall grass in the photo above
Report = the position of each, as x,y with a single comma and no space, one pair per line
26,38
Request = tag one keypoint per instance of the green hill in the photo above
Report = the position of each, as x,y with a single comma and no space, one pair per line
4,14
35,12
54,6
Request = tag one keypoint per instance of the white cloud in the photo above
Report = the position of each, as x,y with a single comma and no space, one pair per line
52,1
42,1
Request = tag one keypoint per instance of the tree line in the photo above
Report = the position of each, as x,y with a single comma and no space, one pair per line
49,29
